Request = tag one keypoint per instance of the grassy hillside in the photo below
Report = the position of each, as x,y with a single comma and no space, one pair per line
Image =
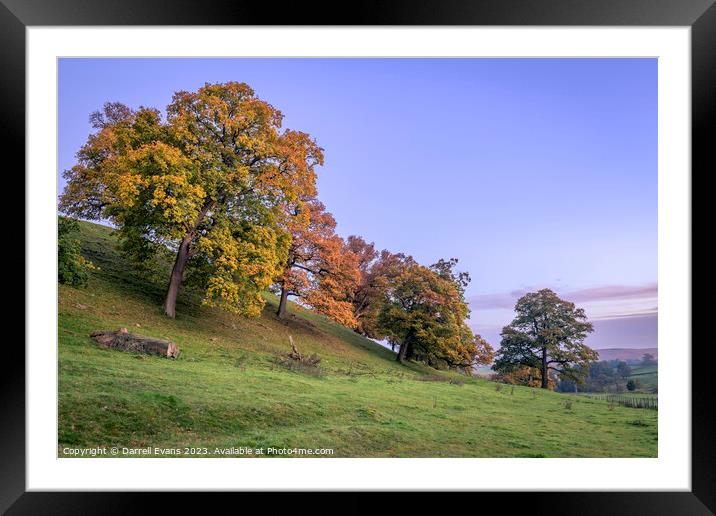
231,387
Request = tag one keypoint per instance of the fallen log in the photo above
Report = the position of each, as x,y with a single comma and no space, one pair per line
122,340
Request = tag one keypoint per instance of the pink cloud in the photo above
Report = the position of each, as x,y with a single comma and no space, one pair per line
612,292
507,300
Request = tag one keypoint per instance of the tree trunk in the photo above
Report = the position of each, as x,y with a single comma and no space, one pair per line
406,347
177,276
170,303
281,312
409,349
544,368
401,352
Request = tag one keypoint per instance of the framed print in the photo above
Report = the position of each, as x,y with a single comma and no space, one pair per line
439,249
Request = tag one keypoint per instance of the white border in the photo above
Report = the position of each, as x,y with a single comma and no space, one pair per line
671,471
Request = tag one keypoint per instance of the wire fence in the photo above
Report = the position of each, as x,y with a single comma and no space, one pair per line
645,402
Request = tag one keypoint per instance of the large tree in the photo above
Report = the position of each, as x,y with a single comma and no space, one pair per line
309,226
365,289
376,271
547,334
425,314
210,183
335,283
319,269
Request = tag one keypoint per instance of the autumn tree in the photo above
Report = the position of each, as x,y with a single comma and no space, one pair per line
335,283
210,183
547,334
376,271
309,225
425,314
319,269
365,289
484,352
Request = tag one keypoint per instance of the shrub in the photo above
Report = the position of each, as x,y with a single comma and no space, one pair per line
529,376
72,267
631,385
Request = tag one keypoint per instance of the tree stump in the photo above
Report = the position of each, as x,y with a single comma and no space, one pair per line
294,354
122,340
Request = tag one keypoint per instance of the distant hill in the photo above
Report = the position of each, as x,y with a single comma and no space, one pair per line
629,355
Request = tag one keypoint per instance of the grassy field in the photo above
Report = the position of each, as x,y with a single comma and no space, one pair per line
231,388
647,376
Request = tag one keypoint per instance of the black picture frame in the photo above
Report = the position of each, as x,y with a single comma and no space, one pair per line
700,15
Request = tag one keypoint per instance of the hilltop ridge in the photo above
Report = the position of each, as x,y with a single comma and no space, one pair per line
629,355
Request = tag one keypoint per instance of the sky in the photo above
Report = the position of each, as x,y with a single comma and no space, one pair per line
534,173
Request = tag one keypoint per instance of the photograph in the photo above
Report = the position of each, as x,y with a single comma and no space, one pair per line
380,257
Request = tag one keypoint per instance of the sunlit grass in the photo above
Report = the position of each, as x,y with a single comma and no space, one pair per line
228,388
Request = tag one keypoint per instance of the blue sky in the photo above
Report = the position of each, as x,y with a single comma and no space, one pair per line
533,172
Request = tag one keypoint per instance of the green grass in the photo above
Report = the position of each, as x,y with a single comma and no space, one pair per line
647,376
230,389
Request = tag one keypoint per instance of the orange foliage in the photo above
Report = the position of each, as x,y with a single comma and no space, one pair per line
318,269
376,270
484,352
529,376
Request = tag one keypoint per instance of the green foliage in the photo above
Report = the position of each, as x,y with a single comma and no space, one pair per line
72,268
547,334
425,313
646,378
623,369
648,359
602,376
631,385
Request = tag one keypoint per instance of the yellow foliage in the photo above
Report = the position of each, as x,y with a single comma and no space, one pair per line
209,181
